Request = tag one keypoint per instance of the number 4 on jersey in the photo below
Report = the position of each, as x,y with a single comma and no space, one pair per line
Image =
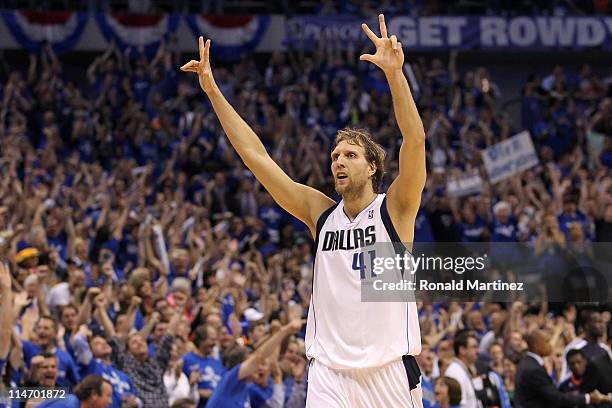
360,265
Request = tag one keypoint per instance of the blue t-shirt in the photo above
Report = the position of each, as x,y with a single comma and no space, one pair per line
503,395
140,88
231,392
504,232
606,159
128,251
566,220
259,395
68,344
211,370
59,244
422,227
121,383
227,308
429,397
67,371
272,216
473,232
152,349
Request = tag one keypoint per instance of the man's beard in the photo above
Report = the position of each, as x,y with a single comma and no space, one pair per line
352,190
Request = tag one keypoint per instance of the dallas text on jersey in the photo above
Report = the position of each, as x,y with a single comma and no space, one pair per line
349,239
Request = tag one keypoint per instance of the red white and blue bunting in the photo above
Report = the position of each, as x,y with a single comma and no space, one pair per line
137,30
232,36
62,29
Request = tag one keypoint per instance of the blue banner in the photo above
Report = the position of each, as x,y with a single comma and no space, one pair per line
461,32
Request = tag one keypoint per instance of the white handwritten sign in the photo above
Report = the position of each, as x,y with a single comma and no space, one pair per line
509,157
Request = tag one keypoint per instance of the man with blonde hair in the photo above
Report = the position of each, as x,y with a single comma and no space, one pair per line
362,354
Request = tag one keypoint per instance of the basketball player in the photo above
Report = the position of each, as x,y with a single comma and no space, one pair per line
361,354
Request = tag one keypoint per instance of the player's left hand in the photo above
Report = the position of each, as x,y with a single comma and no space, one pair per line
389,55
202,67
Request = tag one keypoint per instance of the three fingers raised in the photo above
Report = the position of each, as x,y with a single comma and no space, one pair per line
204,48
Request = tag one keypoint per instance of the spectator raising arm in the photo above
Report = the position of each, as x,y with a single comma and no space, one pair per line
84,314
125,328
148,327
267,348
6,313
165,345
102,315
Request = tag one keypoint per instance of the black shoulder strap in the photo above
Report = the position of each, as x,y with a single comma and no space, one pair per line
320,223
399,247
386,219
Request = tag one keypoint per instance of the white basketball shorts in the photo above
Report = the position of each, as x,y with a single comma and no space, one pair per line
395,385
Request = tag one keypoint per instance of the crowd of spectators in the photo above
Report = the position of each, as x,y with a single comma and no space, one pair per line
142,254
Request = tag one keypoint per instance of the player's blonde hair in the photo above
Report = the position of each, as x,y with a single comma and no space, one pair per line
374,153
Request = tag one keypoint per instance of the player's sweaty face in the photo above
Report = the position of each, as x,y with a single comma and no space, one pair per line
349,168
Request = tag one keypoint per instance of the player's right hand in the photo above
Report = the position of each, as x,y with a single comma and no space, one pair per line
202,67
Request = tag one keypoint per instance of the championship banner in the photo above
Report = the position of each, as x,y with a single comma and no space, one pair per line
231,36
462,32
509,157
135,30
61,29
464,185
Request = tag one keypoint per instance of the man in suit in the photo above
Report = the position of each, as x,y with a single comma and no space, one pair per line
535,388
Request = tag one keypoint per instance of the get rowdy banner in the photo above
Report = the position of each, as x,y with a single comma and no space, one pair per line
136,30
480,32
62,29
232,35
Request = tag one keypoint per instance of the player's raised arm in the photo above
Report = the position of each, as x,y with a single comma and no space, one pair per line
404,194
303,202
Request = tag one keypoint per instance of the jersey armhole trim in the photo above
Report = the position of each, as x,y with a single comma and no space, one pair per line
322,218
399,246
386,219
320,223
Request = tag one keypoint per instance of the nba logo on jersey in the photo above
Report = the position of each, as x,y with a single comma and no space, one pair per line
370,214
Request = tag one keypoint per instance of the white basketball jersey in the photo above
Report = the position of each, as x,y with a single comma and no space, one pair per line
343,332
